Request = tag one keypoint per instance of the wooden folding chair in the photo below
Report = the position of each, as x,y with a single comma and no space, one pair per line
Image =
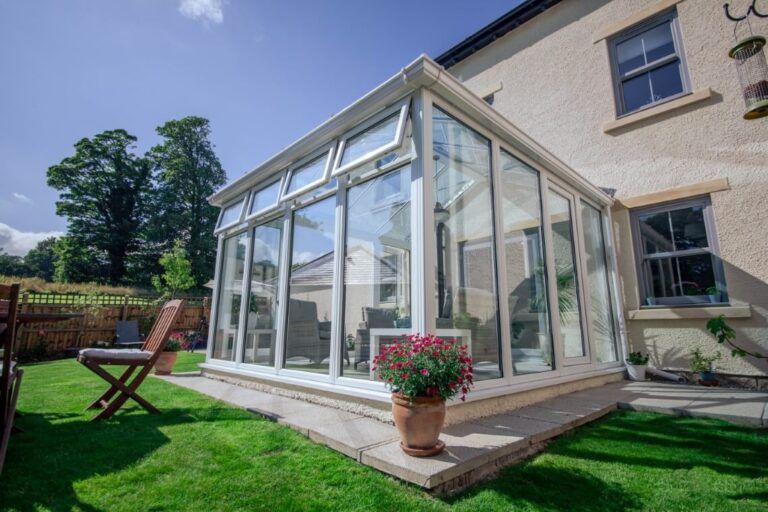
10,375
96,358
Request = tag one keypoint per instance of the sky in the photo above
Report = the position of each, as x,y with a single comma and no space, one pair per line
263,72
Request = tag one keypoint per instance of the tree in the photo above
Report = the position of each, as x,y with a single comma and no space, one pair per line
41,259
104,188
75,263
177,275
188,172
12,265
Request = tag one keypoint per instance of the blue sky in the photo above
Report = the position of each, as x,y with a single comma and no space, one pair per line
264,73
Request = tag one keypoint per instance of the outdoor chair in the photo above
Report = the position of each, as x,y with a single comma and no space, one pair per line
96,358
127,334
10,375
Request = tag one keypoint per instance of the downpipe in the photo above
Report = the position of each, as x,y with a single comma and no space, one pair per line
666,375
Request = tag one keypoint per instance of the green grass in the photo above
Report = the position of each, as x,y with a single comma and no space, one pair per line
188,361
202,455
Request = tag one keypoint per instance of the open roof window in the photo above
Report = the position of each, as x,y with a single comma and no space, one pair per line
231,214
308,173
373,138
265,199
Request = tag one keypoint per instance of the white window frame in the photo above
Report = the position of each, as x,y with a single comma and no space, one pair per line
280,181
244,200
679,55
299,164
397,141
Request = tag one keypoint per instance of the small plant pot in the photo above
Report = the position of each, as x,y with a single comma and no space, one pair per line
651,301
708,378
419,422
714,299
636,371
164,363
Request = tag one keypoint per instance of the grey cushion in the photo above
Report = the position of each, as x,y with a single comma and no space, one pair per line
114,353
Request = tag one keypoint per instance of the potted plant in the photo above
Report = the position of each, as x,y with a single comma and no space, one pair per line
423,372
164,363
636,365
714,294
703,365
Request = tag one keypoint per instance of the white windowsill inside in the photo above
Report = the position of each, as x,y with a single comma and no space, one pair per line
689,312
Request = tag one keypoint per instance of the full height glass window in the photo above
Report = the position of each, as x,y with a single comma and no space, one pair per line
377,266
529,326
648,64
598,282
566,275
310,305
261,323
679,261
230,294
467,301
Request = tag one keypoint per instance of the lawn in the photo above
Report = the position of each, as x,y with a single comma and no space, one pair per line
203,455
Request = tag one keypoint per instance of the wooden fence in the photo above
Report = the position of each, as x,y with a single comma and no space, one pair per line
98,321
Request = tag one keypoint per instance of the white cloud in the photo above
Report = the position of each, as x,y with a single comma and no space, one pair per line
207,11
22,198
19,243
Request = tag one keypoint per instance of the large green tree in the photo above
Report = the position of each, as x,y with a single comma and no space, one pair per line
188,171
12,265
104,189
41,259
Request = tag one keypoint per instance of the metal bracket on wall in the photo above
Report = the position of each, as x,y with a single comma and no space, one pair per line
751,9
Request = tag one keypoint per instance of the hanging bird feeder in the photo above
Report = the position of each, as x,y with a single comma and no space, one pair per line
753,75
750,64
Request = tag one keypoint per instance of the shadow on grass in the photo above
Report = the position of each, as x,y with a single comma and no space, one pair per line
538,487
55,452
667,442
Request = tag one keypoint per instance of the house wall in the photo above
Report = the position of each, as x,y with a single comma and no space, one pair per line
556,86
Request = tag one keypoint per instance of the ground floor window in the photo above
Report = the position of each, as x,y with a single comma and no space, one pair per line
230,293
677,253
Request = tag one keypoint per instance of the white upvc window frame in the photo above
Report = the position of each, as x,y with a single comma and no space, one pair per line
280,180
403,107
244,200
326,150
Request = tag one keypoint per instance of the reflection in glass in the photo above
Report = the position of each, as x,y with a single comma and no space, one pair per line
566,275
260,333
377,262
265,198
467,299
231,214
684,276
310,172
378,135
645,48
601,309
230,295
308,330
526,277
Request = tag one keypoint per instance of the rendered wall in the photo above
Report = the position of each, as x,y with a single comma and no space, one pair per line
556,86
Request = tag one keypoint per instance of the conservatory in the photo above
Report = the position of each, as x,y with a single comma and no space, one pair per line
417,209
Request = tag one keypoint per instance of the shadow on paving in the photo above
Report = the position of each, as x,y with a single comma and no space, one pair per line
531,486
60,451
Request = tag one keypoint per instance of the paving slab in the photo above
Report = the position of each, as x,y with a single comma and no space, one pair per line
354,436
511,424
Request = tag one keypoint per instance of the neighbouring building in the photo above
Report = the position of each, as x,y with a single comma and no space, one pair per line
579,183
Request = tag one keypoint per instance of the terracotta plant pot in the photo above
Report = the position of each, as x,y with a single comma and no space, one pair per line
419,421
164,363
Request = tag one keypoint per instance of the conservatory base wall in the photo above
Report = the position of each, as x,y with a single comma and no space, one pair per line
377,405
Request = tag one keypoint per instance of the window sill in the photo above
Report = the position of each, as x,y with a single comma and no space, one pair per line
683,101
689,312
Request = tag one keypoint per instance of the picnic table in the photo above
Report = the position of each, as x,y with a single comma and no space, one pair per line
28,318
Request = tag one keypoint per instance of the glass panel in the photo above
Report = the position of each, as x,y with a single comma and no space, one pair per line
310,308
644,48
601,308
656,233
308,173
230,294
566,275
637,92
231,214
265,198
689,228
666,81
684,276
467,299
261,334
377,265
526,276
378,135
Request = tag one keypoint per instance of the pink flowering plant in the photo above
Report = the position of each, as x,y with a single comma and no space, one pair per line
425,366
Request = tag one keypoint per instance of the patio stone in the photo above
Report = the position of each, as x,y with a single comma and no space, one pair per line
511,424
354,436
